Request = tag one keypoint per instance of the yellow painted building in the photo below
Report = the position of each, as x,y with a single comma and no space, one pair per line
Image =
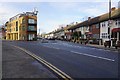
22,27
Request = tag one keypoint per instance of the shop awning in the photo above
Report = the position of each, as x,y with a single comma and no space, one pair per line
88,33
116,30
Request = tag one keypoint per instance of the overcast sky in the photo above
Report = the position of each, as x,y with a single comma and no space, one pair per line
52,14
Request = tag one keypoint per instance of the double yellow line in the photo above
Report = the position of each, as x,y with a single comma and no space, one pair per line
50,66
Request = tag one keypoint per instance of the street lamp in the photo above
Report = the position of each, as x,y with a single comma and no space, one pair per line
109,22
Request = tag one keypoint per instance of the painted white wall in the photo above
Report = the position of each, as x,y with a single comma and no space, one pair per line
104,29
83,30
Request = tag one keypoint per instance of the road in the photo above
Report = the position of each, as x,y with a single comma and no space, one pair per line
78,61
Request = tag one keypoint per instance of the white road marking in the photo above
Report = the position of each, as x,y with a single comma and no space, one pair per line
93,56
100,49
56,48
51,47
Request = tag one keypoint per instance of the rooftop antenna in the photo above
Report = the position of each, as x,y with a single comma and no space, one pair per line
35,11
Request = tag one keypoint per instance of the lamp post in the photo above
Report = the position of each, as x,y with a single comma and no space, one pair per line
39,33
109,22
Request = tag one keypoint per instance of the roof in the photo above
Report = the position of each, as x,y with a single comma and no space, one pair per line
23,14
114,14
58,30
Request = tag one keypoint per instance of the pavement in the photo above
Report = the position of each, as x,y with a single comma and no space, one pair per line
0,59
97,46
17,64
102,47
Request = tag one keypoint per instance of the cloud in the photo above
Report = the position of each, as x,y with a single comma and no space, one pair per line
49,25
68,12
57,0
6,12
64,5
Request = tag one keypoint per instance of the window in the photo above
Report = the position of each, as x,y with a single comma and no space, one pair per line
104,35
116,22
23,20
97,25
31,21
104,25
19,22
31,27
23,28
17,26
20,35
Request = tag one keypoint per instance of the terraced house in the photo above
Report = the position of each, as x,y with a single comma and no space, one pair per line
22,27
99,29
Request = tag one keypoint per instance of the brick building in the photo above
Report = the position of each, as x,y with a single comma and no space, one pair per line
22,27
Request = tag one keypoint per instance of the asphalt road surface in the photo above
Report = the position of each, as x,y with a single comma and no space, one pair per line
78,61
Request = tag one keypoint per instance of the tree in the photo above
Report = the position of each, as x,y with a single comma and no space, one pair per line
76,35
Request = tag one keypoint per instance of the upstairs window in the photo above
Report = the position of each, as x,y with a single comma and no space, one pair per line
17,26
31,28
23,20
119,23
97,25
31,21
116,22
23,28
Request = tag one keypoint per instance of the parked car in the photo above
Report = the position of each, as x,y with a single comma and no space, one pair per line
117,44
107,43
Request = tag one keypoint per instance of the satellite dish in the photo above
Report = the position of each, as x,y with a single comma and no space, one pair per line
35,11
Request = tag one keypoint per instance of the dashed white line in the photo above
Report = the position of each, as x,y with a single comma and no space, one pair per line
56,48
52,47
93,56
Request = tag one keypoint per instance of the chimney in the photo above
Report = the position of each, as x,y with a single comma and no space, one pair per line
113,8
89,18
119,4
